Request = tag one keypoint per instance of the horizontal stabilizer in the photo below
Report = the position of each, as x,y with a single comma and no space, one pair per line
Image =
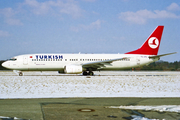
158,56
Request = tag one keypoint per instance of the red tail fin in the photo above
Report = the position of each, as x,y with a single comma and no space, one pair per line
151,46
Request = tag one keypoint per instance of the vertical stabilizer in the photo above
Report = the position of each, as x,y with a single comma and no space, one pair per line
151,45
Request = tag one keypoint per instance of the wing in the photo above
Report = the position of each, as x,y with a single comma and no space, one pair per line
100,64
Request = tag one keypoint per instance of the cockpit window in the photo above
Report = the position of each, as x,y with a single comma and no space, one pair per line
13,59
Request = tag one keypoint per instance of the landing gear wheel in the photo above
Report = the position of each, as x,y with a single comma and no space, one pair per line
85,73
20,74
91,73
88,73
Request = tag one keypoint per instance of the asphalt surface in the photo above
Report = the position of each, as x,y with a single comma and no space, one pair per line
83,108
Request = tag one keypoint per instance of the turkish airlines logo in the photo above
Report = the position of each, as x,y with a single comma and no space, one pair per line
153,42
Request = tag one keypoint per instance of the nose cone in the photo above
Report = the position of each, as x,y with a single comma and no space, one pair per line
5,64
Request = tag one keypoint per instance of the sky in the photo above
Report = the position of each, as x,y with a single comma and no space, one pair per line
87,26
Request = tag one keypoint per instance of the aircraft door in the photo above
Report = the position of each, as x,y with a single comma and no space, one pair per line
25,60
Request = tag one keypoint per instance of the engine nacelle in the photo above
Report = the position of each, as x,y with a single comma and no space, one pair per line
73,69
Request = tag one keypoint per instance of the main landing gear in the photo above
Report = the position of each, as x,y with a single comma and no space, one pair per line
88,73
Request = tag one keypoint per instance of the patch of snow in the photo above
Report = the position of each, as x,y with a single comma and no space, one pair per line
135,117
161,108
12,118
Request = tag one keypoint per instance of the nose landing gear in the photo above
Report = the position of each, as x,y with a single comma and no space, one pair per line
18,72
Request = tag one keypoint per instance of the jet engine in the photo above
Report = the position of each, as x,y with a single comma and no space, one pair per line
73,69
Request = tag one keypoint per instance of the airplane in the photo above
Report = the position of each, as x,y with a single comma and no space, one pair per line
87,63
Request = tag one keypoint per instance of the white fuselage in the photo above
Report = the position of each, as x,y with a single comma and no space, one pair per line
57,62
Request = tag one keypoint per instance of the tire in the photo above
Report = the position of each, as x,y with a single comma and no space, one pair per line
20,74
85,73
91,73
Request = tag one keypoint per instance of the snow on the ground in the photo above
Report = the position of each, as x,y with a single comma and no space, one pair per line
11,118
103,84
135,117
161,108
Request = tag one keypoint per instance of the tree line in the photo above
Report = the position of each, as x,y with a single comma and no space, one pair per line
159,65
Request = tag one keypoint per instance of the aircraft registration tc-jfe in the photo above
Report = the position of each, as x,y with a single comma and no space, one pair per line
87,63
